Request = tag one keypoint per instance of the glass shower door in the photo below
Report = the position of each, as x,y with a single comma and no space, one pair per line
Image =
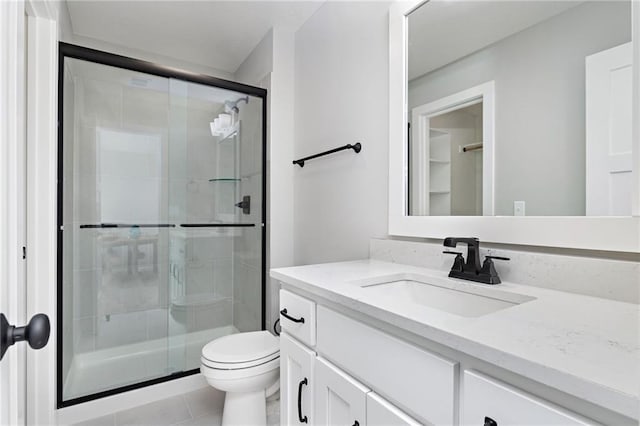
161,226
216,198
114,228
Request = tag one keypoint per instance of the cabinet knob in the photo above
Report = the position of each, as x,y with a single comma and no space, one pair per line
356,423
488,421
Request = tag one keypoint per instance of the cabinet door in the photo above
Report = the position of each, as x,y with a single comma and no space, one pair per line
296,382
383,413
490,402
338,398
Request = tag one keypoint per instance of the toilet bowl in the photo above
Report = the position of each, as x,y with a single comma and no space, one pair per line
246,366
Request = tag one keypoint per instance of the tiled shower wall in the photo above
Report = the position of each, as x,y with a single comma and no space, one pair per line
247,244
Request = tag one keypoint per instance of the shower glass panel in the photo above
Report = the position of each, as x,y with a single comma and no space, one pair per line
161,225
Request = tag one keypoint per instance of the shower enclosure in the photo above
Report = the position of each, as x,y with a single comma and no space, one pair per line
161,220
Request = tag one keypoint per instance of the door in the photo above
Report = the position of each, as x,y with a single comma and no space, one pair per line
608,132
338,398
12,202
296,381
25,287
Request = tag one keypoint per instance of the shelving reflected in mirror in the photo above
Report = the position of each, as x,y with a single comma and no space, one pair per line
561,121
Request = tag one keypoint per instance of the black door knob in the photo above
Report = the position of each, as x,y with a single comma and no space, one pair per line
36,333
488,421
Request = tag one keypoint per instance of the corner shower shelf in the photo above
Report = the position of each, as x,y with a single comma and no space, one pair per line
229,132
224,180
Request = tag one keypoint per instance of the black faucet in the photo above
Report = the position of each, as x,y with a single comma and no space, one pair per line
471,269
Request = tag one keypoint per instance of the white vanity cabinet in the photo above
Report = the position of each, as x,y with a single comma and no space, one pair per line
338,398
358,375
296,381
315,391
490,402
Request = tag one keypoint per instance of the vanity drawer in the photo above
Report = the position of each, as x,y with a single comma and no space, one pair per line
418,381
298,317
488,398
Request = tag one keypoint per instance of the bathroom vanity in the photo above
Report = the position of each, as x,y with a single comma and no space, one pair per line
372,342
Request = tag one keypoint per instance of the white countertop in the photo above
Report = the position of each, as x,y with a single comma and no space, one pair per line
585,346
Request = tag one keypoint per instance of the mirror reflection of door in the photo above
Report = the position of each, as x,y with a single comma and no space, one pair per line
562,129
451,155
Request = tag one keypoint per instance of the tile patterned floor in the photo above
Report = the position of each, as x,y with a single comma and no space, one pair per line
199,408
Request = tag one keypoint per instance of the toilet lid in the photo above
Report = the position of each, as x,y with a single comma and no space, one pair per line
241,347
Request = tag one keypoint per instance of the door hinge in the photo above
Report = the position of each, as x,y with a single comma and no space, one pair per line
24,252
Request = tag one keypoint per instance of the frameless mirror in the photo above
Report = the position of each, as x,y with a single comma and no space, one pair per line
519,108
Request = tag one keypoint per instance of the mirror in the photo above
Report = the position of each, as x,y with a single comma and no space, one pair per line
519,108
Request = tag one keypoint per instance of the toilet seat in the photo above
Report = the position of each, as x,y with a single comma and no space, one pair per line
238,365
240,351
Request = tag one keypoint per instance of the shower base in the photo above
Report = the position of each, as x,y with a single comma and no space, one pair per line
106,369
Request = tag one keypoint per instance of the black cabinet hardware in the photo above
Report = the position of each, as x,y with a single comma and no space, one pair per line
301,418
356,423
36,333
290,318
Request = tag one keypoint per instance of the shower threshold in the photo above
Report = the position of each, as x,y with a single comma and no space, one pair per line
111,368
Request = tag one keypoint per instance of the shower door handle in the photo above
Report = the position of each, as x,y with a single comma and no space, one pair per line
36,333
245,204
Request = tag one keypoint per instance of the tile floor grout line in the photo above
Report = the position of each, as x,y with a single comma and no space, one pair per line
184,399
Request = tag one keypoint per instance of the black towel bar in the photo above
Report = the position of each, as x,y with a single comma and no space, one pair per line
357,147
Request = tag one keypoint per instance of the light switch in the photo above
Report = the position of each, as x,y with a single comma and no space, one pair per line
518,208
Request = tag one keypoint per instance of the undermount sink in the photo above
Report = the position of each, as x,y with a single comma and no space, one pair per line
466,300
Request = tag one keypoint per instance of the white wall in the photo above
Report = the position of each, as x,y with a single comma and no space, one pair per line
540,117
270,65
65,34
341,96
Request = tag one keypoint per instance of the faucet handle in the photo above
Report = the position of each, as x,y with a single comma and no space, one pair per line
489,270
458,263
497,257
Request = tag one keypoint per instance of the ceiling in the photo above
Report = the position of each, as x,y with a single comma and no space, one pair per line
441,32
216,34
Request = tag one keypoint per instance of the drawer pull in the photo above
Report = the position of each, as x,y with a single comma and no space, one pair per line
488,421
290,318
356,423
301,418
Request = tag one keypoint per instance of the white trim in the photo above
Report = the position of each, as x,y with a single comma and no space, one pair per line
595,233
484,93
42,83
12,206
635,156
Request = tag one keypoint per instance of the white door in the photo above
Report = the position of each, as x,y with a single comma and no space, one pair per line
338,398
296,382
383,413
12,211
608,132
24,287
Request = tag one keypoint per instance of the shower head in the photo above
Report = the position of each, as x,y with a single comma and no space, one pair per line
230,106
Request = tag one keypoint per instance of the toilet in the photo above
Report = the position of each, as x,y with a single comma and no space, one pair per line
246,366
